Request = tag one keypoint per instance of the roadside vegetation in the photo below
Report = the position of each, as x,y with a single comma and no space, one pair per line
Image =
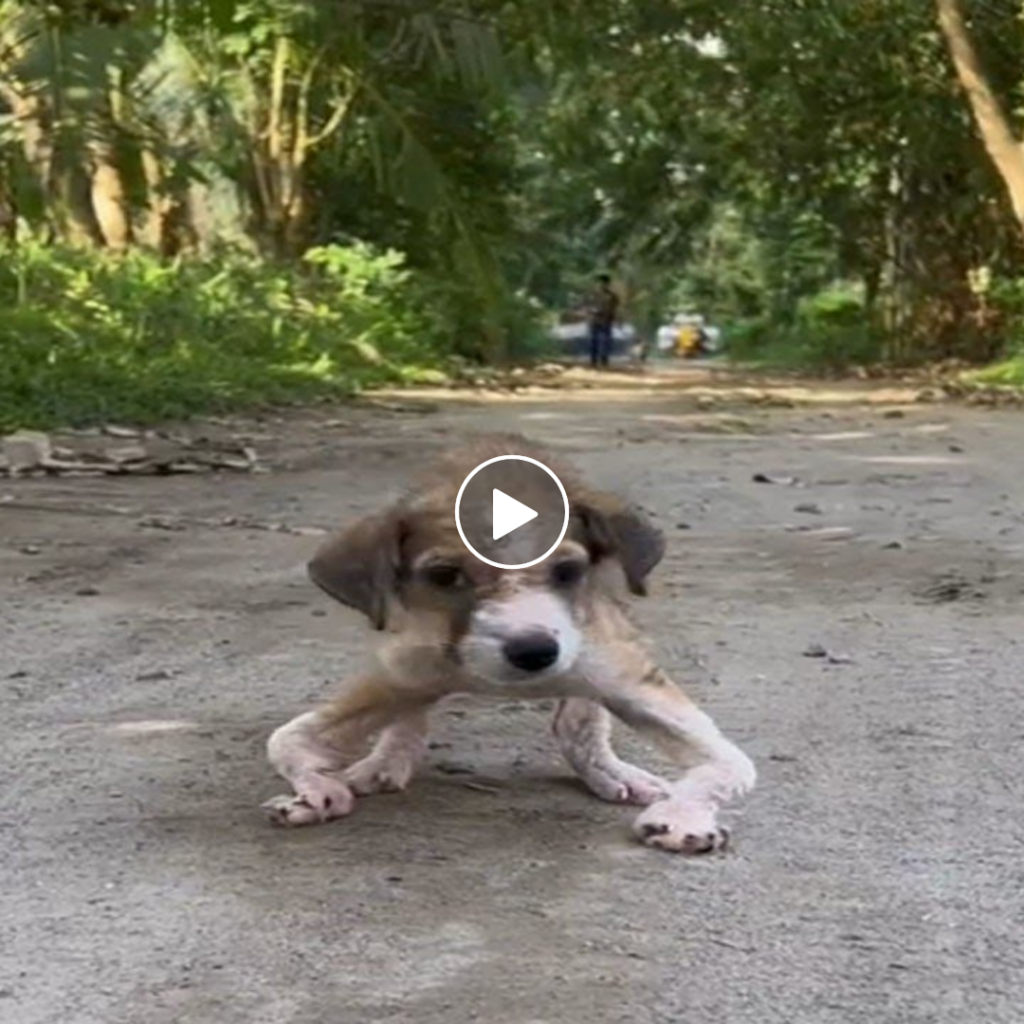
89,336
210,204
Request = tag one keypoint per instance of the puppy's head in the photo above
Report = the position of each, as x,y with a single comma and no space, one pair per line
408,570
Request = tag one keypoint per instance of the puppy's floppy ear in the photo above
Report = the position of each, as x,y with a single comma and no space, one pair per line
612,529
358,566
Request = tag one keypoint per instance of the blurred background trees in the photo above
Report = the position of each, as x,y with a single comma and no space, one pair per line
810,173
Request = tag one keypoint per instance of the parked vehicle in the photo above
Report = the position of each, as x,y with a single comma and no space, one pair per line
688,336
572,336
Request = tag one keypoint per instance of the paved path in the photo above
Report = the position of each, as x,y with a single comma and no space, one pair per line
879,869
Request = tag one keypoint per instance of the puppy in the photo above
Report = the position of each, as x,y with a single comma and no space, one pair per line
453,624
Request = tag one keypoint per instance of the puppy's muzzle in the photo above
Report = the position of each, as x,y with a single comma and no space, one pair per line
531,652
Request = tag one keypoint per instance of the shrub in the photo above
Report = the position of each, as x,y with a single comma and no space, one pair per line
833,307
1005,373
831,331
86,336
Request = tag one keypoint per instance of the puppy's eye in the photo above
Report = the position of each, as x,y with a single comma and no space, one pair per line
444,577
565,574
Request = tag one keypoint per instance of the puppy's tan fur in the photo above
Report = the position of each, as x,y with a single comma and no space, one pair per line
446,617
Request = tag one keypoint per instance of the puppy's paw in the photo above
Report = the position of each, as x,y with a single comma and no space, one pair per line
680,827
317,799
377,774
623,783
640,787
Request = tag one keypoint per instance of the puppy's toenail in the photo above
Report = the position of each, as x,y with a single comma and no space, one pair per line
655,830
698,844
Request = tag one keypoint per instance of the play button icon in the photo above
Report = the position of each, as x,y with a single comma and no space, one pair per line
512,512
509,514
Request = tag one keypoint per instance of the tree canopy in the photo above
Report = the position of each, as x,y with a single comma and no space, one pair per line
742,159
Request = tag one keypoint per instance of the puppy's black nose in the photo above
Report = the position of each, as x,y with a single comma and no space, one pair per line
532,652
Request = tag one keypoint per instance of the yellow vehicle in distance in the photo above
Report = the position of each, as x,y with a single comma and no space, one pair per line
687,337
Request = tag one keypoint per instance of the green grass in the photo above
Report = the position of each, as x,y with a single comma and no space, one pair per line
86,338
827,332
1006,373
809,348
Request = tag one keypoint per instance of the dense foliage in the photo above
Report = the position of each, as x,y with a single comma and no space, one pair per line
89,336
214,177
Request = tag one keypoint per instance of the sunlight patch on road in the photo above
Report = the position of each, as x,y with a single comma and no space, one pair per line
846,435
150,726
908,460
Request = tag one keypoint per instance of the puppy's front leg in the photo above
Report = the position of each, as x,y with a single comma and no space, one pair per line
583,730
398,752
687,821
312,750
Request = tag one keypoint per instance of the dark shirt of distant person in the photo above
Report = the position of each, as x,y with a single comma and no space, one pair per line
604,311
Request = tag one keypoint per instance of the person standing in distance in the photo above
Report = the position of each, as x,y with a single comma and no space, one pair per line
604,311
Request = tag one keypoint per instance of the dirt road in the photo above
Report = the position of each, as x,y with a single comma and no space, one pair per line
155,629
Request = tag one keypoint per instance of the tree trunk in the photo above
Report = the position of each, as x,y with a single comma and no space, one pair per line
34,131
994,126
167,227
69,205
8,209
109,199
154,225
872,276
296,216
286,138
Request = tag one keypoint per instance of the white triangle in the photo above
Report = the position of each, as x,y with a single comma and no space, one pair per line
509,514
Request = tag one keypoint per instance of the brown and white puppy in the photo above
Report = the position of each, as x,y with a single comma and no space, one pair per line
454,624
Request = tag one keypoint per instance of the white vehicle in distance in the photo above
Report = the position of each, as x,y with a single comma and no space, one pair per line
572,336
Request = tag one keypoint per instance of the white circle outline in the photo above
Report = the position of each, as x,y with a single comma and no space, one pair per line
518,458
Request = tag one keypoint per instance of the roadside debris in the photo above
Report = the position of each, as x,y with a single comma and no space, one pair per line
481,787
177,524
388,405
832,657
149,453
824,533
830,533
25,450
948,587
782,481
171,523
153,675
991,395
490,378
